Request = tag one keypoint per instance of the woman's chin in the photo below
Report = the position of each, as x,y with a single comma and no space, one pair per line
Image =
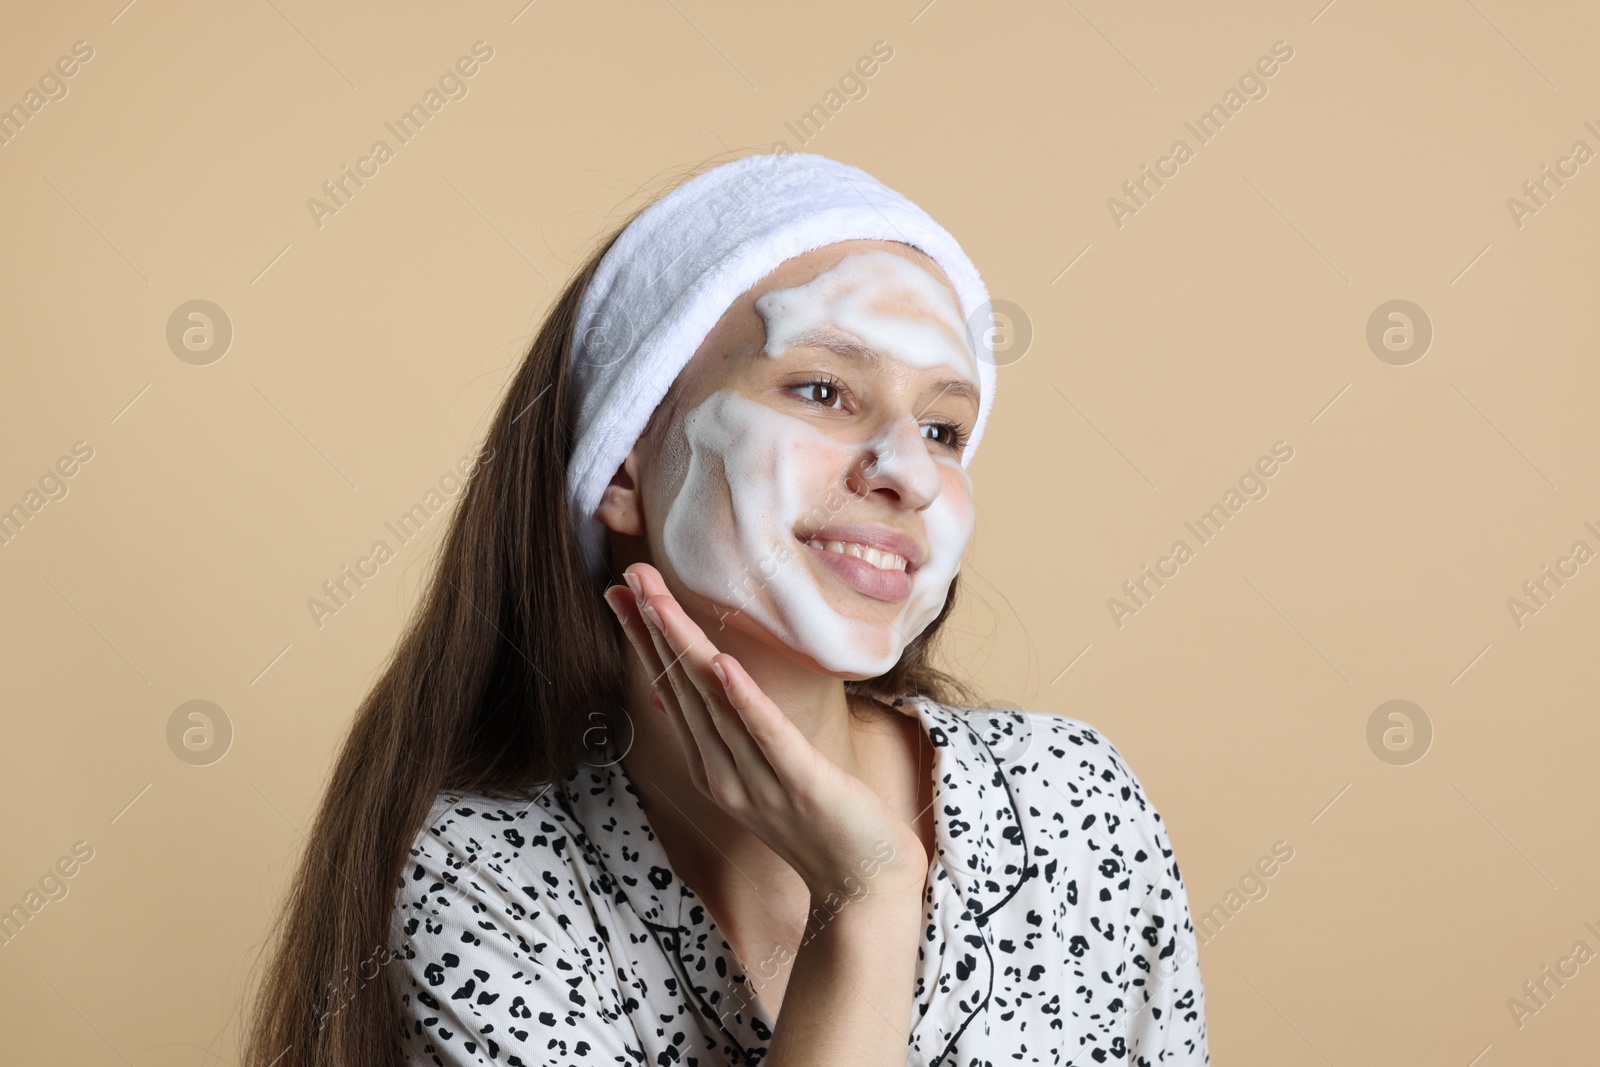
870,646
848,664
854,665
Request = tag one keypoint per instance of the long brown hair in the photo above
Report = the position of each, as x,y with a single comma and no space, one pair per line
489,690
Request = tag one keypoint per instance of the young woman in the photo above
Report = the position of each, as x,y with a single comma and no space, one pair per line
662,772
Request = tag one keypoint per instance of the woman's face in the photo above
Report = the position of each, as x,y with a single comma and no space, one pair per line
804,479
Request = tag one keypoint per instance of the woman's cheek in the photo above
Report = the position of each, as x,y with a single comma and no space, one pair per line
948,524
950,519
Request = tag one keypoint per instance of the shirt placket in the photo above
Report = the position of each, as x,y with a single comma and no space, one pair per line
981,861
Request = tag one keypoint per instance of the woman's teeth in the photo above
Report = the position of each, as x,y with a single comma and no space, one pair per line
887,561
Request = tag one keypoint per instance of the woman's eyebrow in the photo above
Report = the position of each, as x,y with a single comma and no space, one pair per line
870,358
953,387
840,344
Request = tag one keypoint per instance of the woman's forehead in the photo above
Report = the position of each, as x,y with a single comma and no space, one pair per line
742,332
886,303
803,268
883,316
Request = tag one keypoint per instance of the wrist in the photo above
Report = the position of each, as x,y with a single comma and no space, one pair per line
863,930
891,869
865,902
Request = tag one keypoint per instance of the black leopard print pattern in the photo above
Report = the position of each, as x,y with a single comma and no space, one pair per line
552,930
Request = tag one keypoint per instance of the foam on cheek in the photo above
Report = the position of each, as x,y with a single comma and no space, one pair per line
850,295
730,483
728,534
948,522
753,473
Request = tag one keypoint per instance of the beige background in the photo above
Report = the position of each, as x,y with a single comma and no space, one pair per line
1229,313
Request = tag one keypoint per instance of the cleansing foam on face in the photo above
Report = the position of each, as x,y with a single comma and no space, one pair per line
758,477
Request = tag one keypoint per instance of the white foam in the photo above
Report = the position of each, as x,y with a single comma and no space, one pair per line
851,295
754,472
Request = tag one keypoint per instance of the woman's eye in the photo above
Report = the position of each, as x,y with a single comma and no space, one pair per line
822,392
948,433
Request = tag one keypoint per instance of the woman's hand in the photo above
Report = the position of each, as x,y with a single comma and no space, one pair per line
746,755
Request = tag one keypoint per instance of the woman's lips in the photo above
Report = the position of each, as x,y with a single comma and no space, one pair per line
865,578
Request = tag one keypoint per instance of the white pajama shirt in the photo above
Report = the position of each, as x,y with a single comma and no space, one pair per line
551,929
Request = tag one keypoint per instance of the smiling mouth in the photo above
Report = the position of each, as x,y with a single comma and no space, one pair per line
884,561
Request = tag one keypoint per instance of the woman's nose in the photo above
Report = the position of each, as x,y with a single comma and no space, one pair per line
897,460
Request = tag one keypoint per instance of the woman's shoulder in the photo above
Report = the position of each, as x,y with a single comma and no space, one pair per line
507,834
495,927
516,855
464,814
1032,742
1060,771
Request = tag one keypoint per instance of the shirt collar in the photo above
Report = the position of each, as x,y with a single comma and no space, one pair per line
980,862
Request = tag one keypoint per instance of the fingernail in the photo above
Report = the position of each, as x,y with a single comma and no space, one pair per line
722,675
633,584
655,619
655,698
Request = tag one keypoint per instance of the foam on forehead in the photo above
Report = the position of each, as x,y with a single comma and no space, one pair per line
870,294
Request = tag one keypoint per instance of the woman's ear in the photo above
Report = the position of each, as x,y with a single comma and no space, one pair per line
621,510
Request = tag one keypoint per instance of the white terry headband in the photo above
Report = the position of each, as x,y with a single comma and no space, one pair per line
677,267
